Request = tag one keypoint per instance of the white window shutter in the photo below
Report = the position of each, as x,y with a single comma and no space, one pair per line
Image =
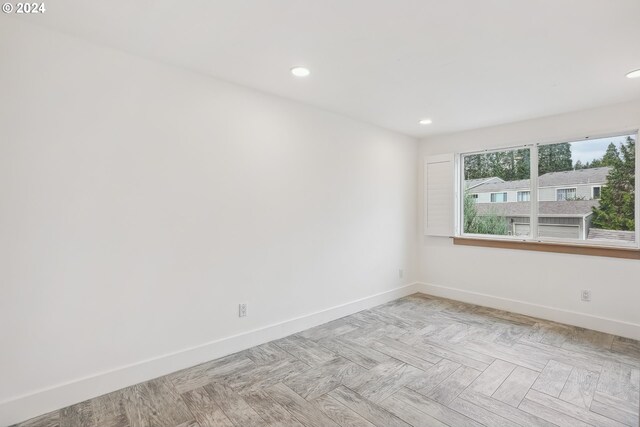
439,195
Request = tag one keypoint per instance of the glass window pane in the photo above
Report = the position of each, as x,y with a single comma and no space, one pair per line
524,196
492,182
565,194
586,190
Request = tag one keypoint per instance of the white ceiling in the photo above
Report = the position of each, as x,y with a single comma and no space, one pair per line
463,63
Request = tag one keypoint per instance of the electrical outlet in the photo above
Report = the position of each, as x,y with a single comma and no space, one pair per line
585,295
401,273
242,310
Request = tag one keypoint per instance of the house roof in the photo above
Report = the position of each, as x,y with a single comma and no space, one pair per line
580,176
471,183
551,179
521,184
577,208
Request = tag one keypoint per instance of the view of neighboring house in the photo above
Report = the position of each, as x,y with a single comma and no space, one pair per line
565,200
565,219
473,183
581,184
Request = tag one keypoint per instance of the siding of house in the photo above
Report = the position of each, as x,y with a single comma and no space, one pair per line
571,227
483,197
547,194
583,191
512,196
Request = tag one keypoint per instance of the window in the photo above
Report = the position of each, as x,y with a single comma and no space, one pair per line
498,197
565,194
595,192
577,172
491,176
582,192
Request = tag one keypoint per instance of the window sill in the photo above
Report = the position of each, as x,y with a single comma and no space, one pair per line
563,248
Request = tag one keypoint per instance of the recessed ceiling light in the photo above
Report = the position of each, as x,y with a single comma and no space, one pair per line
634,74
300,71
425,122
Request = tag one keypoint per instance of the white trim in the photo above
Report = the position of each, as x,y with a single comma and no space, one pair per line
637,221
534,196
461,192
594,187
458,199
39,402
597,323
596,135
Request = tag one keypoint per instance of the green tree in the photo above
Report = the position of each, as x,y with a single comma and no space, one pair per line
617,199
522,166
508,165
554,158
595,163
482,224
473,166
611,157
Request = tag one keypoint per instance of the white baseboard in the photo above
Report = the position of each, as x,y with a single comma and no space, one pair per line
597,323
42,401
46,400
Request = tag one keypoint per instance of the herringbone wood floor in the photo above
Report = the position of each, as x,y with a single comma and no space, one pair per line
416,361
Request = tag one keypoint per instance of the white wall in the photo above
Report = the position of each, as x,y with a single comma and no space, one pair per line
532,282
140,203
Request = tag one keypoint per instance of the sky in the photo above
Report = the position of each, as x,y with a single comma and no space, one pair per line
590,149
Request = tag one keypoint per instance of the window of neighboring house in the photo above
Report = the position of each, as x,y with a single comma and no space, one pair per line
498,197
474,196
595,192
559,178
565,194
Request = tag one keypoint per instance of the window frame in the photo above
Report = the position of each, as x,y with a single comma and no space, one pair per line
506,196
575,192
459,207
522,192
546,244
599,186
